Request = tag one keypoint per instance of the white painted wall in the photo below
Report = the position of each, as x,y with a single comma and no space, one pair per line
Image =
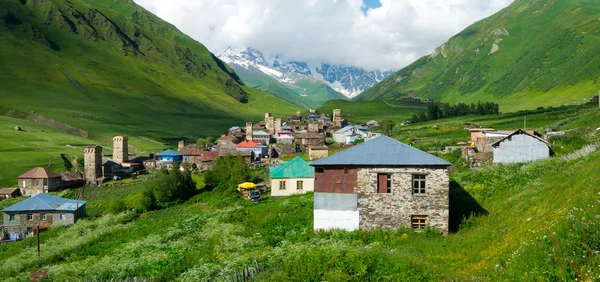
290,186
332,219
521,148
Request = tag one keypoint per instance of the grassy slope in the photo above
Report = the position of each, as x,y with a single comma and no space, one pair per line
305,93
524,228
359,112
40,145
169,86
546,59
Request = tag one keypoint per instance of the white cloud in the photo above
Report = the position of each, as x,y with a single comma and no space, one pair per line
330,31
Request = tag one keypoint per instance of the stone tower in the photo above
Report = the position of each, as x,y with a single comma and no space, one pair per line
270,125
313,127
277,125
92,158
337,118
120,152
249,131
180,145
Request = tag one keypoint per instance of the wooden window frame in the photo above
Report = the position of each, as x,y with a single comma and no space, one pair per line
418,222
388,183
421,190
300,185
282,185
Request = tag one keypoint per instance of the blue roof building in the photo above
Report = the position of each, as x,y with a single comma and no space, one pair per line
170,156
41,210
382,183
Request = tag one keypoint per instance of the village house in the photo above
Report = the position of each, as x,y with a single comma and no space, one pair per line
324,120
349,133
71,179
256,148
170,156
261,137
381,183
44,210
207,160
371,124
9,193
317,152
293,177
191,155
284,137
39,180
520,146
304,140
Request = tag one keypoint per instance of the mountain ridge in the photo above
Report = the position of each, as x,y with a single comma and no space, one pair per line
530,54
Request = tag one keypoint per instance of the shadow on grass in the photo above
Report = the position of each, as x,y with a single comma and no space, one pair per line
462,206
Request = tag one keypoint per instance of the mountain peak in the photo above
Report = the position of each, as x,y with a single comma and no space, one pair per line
350,81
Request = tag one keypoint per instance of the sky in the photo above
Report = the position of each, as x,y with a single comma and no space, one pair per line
371,34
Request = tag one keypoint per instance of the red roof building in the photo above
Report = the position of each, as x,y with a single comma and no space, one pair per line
39,180
248,144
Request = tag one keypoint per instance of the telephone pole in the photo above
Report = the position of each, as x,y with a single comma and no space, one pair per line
524,123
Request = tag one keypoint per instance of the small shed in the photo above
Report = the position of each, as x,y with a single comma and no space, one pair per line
9,193
520,146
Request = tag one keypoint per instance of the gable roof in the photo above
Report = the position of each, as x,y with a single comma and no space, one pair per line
191,152
209,156
39,172
247,144
308,135
260,132
9,191
382,151
228,138
520,131
349,127
296,168
168,152
45,202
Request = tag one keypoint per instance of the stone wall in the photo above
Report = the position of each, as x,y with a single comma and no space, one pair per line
34,186
393,210
20,224
92,156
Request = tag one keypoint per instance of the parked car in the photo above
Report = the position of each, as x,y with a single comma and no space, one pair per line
255,196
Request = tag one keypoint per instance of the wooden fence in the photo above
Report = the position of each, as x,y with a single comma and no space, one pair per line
586,150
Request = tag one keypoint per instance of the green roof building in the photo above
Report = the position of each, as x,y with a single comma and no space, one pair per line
293,177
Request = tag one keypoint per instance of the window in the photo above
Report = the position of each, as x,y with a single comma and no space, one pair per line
62,216
384,183
43,216
45,181
419,184
29,229
11,217
299,185
29,216
418,222
282,185
24,183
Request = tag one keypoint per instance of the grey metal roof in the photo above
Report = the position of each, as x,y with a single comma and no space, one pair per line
521,131
45,202
382,151
350,127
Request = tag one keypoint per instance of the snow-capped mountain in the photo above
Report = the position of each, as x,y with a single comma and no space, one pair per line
350,81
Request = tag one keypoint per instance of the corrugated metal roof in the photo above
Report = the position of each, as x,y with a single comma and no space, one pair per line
39,172
350,127
296,168
381,151
168,152
521,131
45,202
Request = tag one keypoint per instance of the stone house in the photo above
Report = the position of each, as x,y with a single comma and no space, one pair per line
520,146
284,137
290,178
71,179
191,155
304,140
44,210
207,160
317,152
9,193
261,137
381,183
39,180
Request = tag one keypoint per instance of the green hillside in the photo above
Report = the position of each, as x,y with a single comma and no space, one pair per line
361,112
511,222
307,93
530,54
110,66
